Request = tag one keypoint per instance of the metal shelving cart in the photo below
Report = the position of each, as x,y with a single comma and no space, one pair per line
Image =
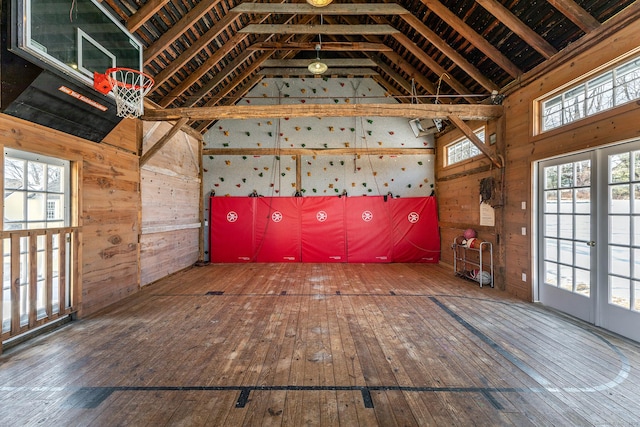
472,263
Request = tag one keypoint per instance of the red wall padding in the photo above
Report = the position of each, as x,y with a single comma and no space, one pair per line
414,223
368,229
277,229
324,229
231,229
323,232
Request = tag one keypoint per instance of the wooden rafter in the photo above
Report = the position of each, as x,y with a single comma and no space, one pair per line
183,25
318,29
326,46
468,132
333,9
576,14
473,37
175,65
450,52
532,38
465,112
145,13
162,141
331,62
211,62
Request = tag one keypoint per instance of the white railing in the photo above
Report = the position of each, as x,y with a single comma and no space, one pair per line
40,278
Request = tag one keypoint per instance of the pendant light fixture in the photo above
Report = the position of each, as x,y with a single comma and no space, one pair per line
319,3
318,67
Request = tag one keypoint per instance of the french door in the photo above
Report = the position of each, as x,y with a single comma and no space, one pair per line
567,270
589,236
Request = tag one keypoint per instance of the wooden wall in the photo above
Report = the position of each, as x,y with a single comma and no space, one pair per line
108,204
171,196
458,195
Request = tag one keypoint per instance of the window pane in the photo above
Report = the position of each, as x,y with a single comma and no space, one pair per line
566,252
583,282
619,260
574,104
619,168
14,203
551,177
583,200
619,199
551,201
620,291
35,176
55,176
551,225
583,173
583,227
13,173
566,175
619,230
551,249
600,93
566,278
551,273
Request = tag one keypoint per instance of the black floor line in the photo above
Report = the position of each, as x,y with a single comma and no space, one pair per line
92,397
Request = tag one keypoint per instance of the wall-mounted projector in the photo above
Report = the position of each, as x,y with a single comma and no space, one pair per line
423,127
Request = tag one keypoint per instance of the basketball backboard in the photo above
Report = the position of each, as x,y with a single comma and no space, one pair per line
76,38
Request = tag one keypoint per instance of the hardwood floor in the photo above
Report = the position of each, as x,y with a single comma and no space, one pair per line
322,344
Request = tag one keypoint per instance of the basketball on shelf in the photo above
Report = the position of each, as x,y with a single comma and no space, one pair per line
469,233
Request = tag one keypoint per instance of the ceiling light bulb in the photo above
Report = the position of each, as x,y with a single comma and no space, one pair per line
319,3
318,67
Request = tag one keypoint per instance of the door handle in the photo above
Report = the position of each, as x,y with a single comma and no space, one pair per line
591,243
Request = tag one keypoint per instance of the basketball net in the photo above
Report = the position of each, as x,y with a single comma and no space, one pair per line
128,87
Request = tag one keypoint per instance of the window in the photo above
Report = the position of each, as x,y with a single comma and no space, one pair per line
36,190
602,92
463,149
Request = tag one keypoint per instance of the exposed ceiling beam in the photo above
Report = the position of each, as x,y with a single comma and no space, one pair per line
470,134
145,13
465,112
176,30
207,65
326,46
172,68
410,70
318,29
332,9
314,151
226,71
162,141
331,62
303,71
241,91
433,65
532,38
473,37
450,52
576,14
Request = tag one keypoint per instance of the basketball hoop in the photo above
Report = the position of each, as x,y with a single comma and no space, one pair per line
129,87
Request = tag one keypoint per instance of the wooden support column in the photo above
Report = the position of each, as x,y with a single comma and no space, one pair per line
298,173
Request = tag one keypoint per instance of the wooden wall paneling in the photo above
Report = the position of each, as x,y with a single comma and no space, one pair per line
107,208
165,253
523,147
123,136
171,200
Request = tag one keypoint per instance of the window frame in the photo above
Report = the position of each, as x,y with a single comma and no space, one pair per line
64,192
464,143
585,90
